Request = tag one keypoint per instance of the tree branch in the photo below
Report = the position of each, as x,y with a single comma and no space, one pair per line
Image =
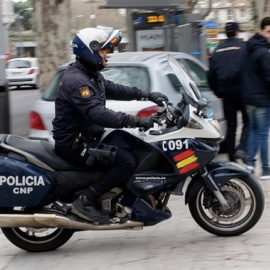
209,9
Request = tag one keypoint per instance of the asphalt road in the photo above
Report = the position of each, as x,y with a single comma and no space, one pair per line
178,243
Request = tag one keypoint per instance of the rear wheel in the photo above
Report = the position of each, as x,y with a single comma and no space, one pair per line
37,240
246,200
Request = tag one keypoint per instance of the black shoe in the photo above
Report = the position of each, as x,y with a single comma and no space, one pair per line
87,207
241,154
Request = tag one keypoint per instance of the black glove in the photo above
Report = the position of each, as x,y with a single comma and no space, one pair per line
142,122
156,97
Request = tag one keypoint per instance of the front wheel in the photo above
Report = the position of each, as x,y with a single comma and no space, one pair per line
37,240
246,200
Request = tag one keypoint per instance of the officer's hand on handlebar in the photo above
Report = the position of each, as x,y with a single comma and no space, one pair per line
144,123
158,98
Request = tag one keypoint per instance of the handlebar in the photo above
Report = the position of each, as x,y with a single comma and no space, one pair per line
161,115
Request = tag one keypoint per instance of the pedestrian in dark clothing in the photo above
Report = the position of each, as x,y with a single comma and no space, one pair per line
81,115
225,79
257,96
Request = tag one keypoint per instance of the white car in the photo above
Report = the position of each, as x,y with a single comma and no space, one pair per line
149,71
22,71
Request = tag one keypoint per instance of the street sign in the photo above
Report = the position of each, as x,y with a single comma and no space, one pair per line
213,24
211,31
211,27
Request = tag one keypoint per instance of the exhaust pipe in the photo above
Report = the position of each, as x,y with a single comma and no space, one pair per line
58,221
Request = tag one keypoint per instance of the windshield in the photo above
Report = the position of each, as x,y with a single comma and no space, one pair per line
189,86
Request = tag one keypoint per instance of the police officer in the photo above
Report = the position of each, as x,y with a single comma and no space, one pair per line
226,80
81,116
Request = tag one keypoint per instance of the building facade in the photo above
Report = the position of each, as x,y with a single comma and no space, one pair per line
223,11
8,16
262,8
87,13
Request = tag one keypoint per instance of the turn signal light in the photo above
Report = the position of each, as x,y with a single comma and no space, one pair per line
35,121
148,111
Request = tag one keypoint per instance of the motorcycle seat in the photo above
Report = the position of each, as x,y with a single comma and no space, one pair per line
44,151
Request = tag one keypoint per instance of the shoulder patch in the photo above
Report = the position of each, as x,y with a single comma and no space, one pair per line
85,92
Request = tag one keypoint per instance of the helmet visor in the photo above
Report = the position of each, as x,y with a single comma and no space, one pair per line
113,40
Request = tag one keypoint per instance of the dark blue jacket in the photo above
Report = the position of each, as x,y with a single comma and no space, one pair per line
80,105
257,72
226,67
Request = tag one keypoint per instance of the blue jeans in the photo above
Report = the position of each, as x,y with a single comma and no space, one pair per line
259,122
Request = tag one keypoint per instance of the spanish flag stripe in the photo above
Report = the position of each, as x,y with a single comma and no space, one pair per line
184,155
186,161
189,167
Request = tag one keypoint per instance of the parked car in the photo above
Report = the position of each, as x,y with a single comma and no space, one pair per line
149,71
22,71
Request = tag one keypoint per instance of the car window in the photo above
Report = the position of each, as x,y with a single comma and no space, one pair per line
18,64
50,91
168,72
197,73
128,76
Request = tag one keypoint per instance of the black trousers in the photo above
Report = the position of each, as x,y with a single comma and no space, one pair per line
116,174
232,103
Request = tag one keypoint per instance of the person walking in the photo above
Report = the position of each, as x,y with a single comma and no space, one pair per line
225,80
257,95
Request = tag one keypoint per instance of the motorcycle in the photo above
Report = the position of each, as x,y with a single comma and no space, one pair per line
37,187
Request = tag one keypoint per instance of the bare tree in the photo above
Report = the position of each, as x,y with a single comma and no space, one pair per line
192,4
208,10
52,27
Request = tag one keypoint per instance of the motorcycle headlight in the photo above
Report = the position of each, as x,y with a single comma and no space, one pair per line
217,127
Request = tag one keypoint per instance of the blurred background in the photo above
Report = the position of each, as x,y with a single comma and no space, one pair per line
190,26
41,33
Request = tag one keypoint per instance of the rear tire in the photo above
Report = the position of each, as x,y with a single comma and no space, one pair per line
246,200
37,240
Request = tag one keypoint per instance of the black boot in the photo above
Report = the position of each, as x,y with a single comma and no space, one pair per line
241,154
87,207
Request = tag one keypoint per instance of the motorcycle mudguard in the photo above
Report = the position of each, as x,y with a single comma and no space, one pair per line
220,172
22,184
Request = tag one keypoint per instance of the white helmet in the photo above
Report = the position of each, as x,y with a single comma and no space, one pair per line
89,41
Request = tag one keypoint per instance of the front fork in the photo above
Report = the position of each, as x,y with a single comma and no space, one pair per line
207,178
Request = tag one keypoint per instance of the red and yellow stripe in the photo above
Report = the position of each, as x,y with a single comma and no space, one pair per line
186,161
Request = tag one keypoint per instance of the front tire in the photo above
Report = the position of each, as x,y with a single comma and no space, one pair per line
37,240
246,200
